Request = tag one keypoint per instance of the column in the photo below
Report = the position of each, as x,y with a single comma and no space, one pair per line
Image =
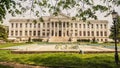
41,25
50,25
54,28
62,28
57,29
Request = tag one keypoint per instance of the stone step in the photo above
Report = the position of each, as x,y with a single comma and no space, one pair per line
59,39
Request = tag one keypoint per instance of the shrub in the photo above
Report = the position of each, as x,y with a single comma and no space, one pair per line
83,40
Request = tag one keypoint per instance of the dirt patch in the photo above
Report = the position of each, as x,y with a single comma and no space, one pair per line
17,65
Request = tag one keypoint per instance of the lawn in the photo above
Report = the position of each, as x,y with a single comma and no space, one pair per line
67,60
55,60
2,45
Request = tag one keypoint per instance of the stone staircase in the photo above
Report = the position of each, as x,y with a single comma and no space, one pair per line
59,39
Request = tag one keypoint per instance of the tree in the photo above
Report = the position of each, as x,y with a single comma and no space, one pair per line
84,8
117,29
3,33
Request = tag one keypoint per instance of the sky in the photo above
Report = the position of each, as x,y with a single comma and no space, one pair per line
99,15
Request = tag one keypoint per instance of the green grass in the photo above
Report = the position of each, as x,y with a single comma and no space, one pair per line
2,45
55,60
2,66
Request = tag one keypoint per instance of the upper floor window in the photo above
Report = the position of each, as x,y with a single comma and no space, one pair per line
16,25
20,33
16,33
12,25
12,33
84,33
97,26
26,25
20,25
105,26
105,33
30,25
43,25
38,25
101,26
88,33
34,25
83,25
48,25
97,33
101,33
75,25
91,25
88,25
79,25
92,33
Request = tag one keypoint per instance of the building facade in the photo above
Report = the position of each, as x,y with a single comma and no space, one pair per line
59,28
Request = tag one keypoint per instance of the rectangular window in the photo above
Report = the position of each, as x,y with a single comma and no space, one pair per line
30,32
38,33
80,33
75,25
79,25
34,33
16,33
83,25
105,33
30,25
101,33
34,25
20,33
38,25
20,25
88,33
91,25
97,33
12,25
26,25
101,26
12,33
97,26
16,25
92,33
26,33
105,26
84,33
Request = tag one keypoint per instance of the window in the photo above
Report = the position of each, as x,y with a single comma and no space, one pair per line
16,25
101,26
83,25
38,25
20,33
43,25
79,25
101,33
91,25
20,25
67,24
55,24
64,24
26,33
48,25
26,25
92,33
105,33
38,33
88,33
30,32
105,26
97,26
84,33
34,33
52,24
75,25
97,33
30,25
12,33
16,33
88,25
12,25
80,33
34,25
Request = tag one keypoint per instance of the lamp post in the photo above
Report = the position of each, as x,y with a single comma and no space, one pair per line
114,16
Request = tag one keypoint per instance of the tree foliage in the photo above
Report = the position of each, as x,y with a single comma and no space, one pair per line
117,29
3,33
84,8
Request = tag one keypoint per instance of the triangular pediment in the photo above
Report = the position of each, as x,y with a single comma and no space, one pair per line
60,16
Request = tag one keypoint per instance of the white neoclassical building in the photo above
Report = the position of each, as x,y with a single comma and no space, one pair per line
59,28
